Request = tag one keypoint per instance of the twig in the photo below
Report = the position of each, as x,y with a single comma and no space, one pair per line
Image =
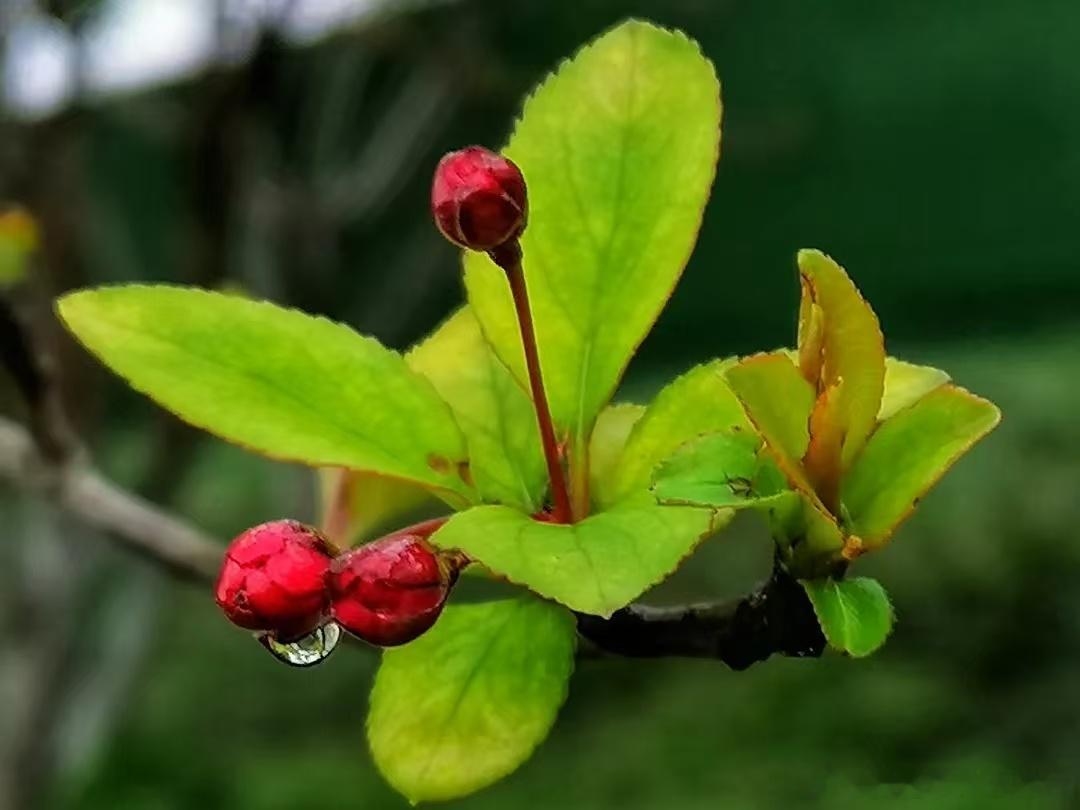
83,492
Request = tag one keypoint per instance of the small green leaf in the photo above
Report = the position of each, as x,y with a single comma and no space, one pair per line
468,702
596,566
855,614
619,149
906,384
696,403
907,455
277,381
505,454
606,444
723,470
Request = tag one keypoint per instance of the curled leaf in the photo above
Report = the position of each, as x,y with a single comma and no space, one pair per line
852,349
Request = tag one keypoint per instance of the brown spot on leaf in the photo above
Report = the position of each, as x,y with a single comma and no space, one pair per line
439,464
465,472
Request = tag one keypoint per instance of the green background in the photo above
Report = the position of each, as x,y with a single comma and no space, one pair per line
933,148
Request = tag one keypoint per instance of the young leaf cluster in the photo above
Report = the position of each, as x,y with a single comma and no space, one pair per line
832,442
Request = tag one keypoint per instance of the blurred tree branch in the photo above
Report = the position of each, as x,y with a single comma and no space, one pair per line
47,460
82,491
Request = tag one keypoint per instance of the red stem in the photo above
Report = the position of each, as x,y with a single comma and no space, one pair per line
336,520
508,257
425,528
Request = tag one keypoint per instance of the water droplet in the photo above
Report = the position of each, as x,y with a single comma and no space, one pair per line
307,651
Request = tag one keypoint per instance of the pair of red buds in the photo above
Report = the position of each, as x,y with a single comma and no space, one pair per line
282,579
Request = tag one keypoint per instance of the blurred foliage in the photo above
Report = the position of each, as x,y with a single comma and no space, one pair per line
932,148
18,239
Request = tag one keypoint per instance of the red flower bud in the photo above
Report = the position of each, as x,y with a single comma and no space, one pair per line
274,579
478,199
390,591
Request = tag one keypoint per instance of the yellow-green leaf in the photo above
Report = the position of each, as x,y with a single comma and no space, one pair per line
778,401
852,348
606,444
596,566
506,457
696,403
906,384
619,148
907,455
275,380
467,702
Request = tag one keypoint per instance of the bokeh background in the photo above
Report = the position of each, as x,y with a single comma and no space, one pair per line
285,147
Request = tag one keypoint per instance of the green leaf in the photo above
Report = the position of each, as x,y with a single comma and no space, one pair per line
505,454
277,381
606,444
723,470
852,349
596,566
697,403
468,702
778,400
907,455
619,149
728,471
906,384
855,614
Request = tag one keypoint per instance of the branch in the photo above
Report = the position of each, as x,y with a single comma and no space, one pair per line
777,618
84,493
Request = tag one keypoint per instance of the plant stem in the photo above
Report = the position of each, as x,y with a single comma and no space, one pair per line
508,257
425,528
335,524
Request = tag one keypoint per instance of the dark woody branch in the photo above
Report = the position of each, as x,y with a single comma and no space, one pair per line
775,619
